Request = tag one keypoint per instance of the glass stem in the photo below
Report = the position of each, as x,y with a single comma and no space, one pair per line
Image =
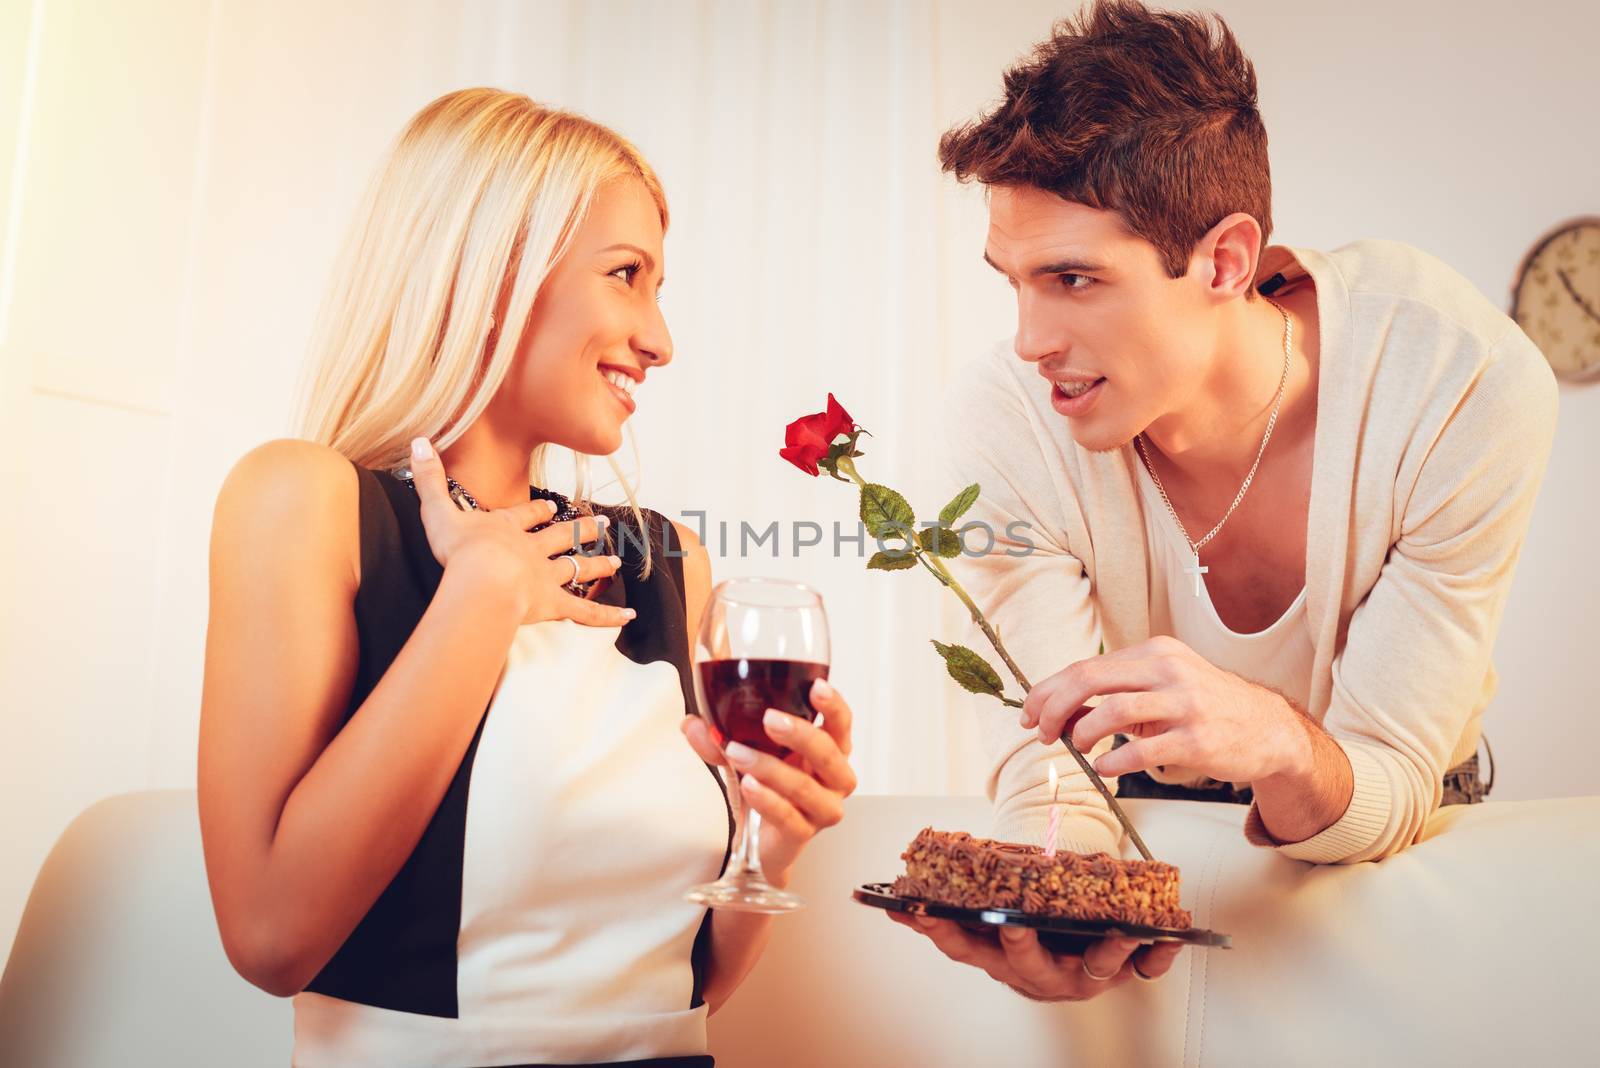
747,859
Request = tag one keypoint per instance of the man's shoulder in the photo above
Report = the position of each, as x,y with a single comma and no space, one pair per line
1437,339
994,375
1387,278
995,360
999,400
1379,263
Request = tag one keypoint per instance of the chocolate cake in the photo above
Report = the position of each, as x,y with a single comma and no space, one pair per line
954,868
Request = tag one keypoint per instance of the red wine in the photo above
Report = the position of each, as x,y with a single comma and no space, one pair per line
739,692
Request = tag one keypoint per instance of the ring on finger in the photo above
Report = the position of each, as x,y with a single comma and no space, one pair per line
1091,975
1140,975
573,560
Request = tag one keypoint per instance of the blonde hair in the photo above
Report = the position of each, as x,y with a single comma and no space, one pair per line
476,201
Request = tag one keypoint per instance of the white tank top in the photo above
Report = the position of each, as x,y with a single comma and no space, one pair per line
1279,657
589,816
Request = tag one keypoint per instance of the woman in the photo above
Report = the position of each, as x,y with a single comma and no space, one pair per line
449,854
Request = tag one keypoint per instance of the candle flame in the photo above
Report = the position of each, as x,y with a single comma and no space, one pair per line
1055,780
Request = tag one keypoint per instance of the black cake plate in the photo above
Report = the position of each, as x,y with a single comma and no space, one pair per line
1057,934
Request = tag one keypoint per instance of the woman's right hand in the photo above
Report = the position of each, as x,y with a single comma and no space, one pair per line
501,548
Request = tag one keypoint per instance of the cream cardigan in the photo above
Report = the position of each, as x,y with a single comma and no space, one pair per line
1435,418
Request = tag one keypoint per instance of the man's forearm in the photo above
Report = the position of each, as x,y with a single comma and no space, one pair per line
1311,793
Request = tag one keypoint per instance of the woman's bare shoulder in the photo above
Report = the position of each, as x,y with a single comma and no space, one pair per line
290,490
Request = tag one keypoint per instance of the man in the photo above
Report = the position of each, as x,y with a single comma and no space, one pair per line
1286,488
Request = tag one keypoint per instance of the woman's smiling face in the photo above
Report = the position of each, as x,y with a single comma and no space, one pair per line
596,326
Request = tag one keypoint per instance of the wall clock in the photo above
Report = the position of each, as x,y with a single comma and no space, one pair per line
1556,298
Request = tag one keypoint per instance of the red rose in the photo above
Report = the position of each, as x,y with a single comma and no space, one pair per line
806,440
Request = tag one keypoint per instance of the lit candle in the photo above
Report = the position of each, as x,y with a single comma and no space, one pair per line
1055,812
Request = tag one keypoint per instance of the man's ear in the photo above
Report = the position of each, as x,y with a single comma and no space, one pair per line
1225,259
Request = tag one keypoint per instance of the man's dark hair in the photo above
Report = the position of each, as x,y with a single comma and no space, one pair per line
1151,114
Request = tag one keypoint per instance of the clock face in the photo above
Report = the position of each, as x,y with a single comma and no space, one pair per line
1557,298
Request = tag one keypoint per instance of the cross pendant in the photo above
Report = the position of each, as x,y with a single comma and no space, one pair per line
1196,570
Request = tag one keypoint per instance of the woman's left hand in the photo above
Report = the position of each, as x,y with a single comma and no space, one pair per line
800,794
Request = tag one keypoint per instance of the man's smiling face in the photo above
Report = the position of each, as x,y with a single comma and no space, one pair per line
1120,341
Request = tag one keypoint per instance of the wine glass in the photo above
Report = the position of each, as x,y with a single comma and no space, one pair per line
761,645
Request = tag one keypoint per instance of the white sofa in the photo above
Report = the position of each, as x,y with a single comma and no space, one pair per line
1475,947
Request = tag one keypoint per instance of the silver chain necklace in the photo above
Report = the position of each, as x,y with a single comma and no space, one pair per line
1195,546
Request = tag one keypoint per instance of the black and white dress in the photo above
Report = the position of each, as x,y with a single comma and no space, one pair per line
540,919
